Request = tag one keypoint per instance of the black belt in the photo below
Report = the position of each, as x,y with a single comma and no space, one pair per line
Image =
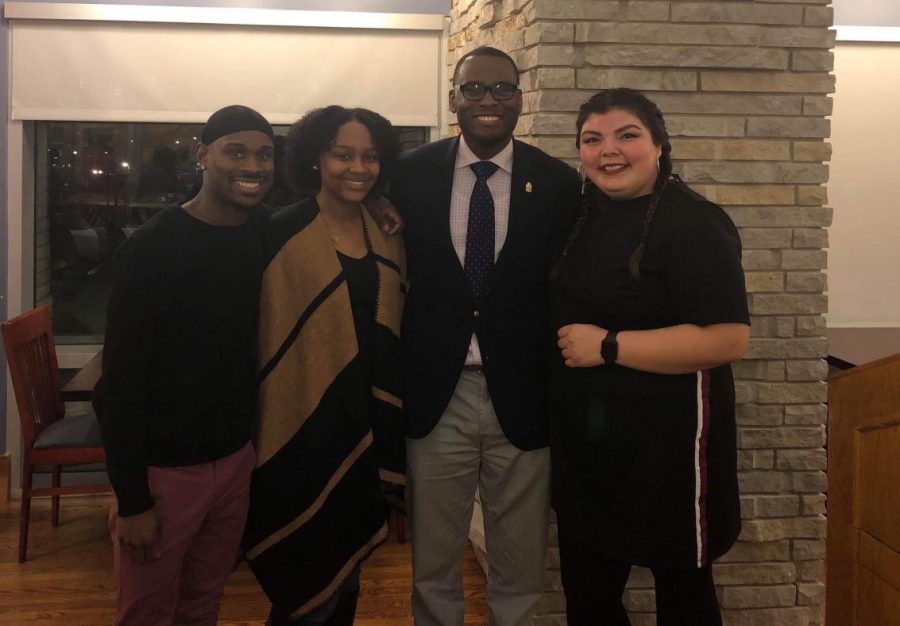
473,367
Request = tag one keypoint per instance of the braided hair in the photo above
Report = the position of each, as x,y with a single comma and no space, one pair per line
651,117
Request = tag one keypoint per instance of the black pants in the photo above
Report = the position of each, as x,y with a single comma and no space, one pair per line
594,582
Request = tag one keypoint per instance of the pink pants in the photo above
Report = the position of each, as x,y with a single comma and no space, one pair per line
202,511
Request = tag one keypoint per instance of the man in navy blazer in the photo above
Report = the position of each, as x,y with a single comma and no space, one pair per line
482,213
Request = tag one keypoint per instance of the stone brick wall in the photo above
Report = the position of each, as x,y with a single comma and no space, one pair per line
744,86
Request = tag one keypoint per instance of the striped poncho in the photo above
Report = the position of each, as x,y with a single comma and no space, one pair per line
330,427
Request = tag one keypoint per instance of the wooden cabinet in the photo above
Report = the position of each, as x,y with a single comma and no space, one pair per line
863,554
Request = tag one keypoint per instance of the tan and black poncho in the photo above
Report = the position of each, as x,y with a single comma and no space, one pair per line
330,428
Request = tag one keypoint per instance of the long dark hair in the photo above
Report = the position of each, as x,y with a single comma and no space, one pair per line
651,117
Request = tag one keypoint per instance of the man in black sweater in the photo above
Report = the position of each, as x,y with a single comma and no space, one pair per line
177,397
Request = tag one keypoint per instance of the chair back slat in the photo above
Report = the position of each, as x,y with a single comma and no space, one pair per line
34,371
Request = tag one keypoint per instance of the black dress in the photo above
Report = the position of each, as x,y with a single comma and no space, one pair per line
362,283
644,465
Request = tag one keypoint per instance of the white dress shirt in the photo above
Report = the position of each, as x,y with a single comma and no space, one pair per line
463,184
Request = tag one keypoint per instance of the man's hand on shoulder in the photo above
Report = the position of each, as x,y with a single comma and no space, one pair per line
139,536
385,214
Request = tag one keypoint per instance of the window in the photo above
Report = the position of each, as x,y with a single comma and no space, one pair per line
96,183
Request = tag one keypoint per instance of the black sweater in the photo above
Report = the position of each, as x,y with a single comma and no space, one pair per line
179,383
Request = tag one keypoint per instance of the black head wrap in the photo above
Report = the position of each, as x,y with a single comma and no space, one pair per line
234,119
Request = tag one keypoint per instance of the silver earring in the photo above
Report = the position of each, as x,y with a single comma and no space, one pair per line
202,167
657,165
316,167
580,170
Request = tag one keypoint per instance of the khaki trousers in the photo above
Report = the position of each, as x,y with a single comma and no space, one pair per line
465,450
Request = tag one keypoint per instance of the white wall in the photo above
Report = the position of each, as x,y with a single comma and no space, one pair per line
864,189
867,12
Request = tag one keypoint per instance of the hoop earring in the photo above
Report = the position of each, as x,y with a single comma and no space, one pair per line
581,175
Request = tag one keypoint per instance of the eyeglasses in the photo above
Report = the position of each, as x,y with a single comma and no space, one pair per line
500,90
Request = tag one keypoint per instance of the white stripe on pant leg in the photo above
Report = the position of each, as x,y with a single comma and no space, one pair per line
698,475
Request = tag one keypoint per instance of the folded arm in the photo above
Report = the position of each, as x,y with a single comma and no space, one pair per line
677,349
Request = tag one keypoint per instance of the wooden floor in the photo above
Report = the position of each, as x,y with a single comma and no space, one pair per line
68,579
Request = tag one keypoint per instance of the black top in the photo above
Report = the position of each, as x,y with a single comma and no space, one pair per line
511,318
645,464
362,282
179,359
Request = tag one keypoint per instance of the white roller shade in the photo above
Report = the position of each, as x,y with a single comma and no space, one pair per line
157,72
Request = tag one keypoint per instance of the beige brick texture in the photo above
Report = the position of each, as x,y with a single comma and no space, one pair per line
745,88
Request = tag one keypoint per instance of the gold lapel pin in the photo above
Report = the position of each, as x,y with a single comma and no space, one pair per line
528,187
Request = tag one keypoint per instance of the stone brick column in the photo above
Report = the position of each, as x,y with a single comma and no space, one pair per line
744,88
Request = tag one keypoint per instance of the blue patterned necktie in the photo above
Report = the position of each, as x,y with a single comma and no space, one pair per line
480,233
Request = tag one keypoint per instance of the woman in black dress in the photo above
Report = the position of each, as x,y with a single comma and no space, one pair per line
648,294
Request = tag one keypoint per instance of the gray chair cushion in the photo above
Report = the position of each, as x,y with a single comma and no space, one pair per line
73,470
77,431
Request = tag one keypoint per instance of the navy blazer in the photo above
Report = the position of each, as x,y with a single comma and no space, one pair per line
511,319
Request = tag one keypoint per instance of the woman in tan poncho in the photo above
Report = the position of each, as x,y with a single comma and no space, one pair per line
330,431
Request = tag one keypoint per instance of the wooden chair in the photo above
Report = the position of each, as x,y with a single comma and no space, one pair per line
50,439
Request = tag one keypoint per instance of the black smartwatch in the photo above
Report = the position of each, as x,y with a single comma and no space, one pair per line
609,348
